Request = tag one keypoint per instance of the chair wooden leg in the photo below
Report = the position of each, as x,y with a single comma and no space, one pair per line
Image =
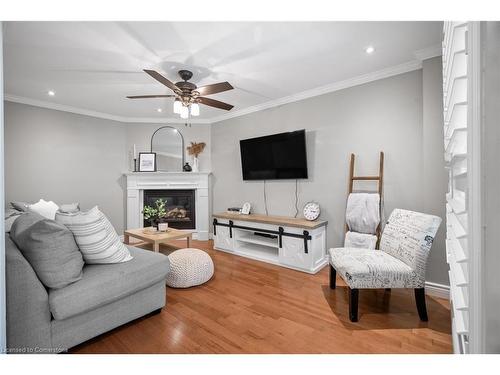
333,277
420,300
353,304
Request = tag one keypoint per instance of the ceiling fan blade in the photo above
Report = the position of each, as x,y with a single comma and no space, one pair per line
150,96
162,80
215,103
215,88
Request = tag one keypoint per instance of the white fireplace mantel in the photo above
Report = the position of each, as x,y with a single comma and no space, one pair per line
137,182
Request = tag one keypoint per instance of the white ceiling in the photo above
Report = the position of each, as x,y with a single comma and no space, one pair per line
92,66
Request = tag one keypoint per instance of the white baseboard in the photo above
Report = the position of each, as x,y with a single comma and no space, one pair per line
437,290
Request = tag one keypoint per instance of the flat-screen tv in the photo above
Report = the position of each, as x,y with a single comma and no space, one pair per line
274,157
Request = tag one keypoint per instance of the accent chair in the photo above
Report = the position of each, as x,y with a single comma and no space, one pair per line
400,263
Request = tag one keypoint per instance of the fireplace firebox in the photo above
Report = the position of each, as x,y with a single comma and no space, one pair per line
180,207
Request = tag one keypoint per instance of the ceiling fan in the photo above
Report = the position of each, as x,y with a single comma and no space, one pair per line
188,95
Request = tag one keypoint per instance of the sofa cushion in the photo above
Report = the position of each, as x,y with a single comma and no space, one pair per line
95,236
50,249
27,302
11,214
102,284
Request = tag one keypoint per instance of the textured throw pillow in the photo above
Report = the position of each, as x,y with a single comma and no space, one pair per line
95,236
50,249
20,206
44,208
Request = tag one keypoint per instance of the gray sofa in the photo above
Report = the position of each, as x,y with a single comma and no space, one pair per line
41,320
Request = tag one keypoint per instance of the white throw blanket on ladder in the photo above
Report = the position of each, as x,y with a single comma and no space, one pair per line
360,240
362,217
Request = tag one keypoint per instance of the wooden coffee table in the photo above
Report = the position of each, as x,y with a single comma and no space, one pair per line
157,238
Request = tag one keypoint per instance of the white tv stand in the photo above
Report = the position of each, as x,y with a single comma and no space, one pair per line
285,241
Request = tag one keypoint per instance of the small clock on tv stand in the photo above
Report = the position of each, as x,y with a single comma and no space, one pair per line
311,211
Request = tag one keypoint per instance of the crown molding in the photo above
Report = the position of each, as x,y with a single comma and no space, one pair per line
106,116
429,52
351,82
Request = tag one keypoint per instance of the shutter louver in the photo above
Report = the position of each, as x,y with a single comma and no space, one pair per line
455,150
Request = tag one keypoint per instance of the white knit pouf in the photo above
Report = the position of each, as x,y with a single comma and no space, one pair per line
189,267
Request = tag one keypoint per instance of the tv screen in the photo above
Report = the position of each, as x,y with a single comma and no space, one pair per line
274,157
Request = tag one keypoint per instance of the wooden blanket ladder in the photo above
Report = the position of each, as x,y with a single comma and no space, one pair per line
379,179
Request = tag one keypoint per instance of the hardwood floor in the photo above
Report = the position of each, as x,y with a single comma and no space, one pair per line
254,307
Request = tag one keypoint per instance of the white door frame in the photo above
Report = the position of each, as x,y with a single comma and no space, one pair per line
475,194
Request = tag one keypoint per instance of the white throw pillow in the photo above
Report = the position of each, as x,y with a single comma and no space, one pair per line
44,208
95,236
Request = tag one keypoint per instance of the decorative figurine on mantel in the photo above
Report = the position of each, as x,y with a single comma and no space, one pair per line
187,167
195,149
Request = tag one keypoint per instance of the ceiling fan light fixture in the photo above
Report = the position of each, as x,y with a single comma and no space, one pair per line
177,106
195,109
187,96
184,112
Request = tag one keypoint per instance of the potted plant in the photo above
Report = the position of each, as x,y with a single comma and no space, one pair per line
154,214
195,149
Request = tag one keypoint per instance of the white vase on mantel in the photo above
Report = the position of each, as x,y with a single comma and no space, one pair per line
196,167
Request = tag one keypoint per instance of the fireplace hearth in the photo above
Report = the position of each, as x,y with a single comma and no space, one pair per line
180,207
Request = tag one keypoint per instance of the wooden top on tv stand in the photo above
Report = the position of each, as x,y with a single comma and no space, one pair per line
285,221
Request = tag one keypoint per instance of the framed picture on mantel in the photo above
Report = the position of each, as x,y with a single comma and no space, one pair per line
147,161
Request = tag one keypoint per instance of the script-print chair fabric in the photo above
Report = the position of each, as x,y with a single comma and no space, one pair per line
400,263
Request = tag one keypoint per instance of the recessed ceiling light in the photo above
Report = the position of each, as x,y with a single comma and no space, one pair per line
370,49
159,110
51,93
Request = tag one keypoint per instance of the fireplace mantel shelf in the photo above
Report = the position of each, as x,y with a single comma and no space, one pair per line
160,173
137,182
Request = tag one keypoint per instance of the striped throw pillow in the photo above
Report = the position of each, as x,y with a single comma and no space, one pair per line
95,236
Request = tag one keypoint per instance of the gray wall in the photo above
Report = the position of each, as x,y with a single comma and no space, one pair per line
385,115
66,157
435,177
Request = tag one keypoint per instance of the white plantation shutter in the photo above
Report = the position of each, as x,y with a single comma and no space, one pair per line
456,127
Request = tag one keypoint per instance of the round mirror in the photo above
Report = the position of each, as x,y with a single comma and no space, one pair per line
168,144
